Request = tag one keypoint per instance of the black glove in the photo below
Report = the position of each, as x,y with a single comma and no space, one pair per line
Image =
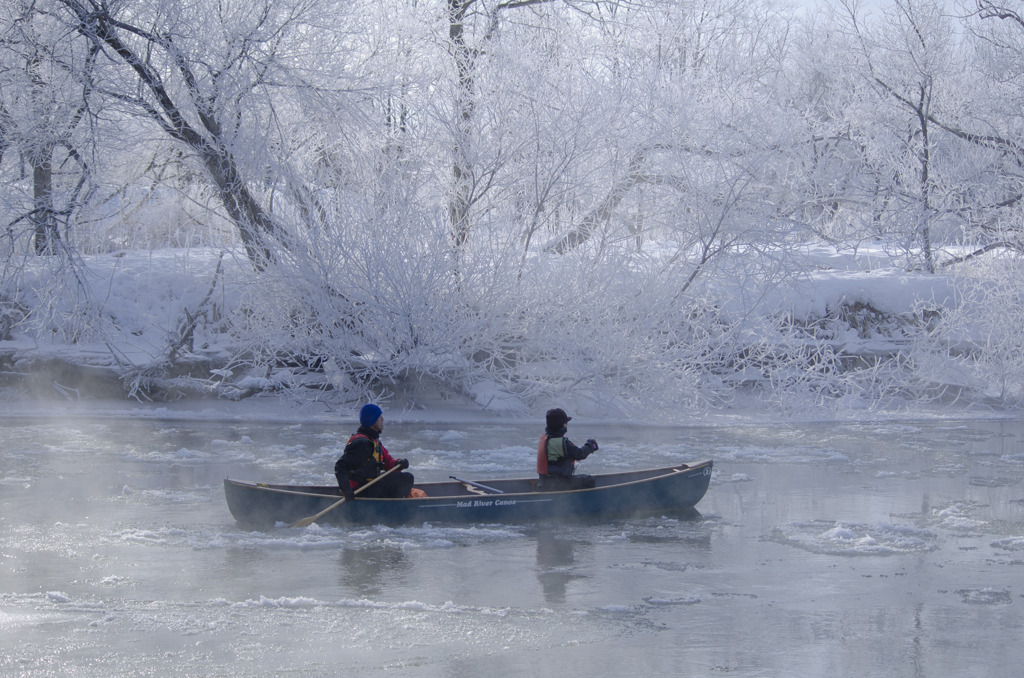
592,443
402,464
348,493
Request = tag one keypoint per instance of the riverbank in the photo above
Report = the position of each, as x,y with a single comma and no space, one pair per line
851,335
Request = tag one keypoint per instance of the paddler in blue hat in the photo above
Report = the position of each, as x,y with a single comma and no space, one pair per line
365,458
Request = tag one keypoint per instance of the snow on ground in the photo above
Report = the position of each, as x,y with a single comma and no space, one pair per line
144,292
144,296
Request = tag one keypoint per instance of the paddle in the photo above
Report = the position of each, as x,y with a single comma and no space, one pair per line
482,487
306,522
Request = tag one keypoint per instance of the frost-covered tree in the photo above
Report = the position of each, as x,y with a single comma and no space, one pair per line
993,124
531,197
911,54
45,100
925,130
219,79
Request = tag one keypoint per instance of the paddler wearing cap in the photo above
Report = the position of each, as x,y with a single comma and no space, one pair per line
557,456
365,458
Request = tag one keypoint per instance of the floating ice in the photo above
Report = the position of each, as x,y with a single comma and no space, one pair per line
290,603
840,533
679,600
955,518
985,596
1009,544
850,539
143,536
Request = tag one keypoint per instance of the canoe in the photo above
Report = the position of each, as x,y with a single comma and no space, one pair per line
672,488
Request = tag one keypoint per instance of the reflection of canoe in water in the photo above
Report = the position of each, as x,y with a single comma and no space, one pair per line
492,501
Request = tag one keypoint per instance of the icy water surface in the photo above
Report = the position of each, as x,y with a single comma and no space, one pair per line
892,549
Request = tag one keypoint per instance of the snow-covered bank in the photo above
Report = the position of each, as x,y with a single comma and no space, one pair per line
853,334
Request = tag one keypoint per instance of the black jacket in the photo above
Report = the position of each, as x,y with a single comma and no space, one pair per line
564,464
363,460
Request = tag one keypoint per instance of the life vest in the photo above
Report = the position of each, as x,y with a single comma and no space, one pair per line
542,455
548,453
376,458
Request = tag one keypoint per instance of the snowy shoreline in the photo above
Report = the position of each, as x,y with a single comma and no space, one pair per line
850,337
273,409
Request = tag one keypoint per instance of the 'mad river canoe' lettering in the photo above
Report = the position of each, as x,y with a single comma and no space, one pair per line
476,503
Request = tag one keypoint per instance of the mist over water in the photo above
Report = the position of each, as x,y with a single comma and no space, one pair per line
881,549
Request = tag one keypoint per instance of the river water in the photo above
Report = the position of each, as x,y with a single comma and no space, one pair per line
872,549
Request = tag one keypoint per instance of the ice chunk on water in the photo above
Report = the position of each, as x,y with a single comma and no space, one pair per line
985,596
840,538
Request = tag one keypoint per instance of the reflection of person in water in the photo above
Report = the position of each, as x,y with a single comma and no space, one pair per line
553,555
367,570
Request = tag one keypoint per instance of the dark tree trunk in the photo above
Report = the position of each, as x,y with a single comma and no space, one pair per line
45,234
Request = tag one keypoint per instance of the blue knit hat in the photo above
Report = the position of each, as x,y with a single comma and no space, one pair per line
369,415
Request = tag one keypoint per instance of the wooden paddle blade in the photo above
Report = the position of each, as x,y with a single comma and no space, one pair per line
309,520
306,522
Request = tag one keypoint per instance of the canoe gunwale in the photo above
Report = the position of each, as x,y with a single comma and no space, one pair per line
669,471
271,488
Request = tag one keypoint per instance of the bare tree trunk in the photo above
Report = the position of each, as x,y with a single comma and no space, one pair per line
253,222
97,22
462,171
6,126
465,56
601,213
44,222
926,184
